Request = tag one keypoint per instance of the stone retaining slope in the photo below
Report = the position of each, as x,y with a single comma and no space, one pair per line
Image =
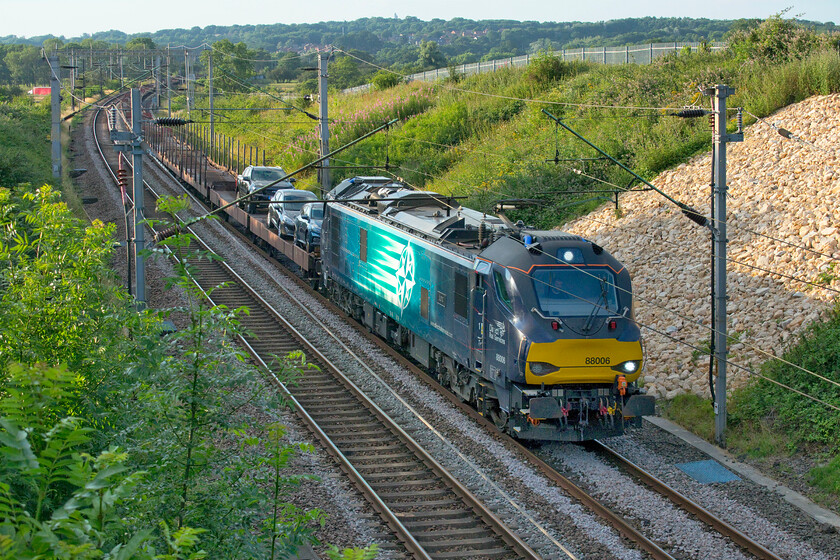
778,187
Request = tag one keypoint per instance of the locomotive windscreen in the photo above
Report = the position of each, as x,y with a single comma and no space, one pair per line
570,291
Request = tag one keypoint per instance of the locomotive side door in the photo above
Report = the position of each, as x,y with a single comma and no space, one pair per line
478,320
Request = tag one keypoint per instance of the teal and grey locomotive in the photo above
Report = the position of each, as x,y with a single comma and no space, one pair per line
534,328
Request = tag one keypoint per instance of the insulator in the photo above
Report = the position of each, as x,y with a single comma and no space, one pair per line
785,132
112,118
693,215
166,233
690,113
740,119
171,121
482,231
712,121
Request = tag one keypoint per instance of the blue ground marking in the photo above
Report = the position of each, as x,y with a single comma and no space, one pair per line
707,472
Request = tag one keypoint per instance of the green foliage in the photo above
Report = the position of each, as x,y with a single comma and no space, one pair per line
804,421
57,269
344,72
770,87
827,476
431,56
134,428
547,68
367,553
828,275
194,386
384,79
140,43
57,501
24,65
233,65
181,543
693,412
486,137
776,39
24,152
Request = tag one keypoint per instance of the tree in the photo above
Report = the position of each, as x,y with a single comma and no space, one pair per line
542,44
140,43
233,65
775,39
361,40
53,44
26,66
287,68
384,79
430,55
344,73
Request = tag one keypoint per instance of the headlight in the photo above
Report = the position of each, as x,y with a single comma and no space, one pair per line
542,368
630,366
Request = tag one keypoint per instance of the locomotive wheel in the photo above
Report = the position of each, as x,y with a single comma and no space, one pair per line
499,417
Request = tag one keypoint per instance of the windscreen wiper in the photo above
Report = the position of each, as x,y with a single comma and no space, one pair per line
603,297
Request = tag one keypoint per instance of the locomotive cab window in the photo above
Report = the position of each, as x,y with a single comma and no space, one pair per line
501,288
574,291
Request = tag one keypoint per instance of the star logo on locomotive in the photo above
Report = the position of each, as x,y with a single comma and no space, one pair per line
405,277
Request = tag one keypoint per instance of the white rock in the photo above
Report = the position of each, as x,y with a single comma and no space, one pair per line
780,189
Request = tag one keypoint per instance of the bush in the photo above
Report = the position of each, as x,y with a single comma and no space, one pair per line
769,87
547,68
777,40
805,421
24,151
384,79
104,425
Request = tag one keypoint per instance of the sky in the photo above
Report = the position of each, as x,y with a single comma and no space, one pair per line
74,18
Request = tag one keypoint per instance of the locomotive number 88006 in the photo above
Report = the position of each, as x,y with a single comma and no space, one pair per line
534,328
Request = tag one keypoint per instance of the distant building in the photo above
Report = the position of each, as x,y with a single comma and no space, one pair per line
37,91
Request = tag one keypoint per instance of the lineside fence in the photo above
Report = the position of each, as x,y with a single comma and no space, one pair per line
630,54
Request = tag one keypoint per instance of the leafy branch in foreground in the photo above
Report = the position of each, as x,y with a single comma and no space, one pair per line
55,500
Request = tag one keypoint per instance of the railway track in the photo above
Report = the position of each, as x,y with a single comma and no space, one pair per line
685,503
431,512
433,516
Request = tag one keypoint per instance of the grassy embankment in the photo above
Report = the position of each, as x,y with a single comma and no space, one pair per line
485,137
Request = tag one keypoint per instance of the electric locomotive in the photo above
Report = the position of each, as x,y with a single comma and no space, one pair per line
534,328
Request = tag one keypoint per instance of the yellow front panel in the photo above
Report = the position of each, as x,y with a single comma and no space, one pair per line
582,361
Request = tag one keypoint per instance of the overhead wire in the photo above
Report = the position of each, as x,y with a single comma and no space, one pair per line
752,347
262,91
653,329
79,99
523,99
568,167
645,300
578,105
758,349
230,55
682,342
785,133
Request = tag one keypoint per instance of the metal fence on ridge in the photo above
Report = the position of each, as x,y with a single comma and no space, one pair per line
630,54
